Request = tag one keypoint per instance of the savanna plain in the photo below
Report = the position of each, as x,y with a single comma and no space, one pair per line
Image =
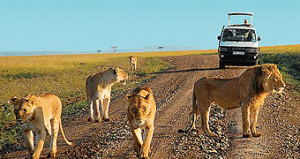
171,75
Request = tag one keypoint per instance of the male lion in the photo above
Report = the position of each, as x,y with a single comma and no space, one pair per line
98,89
133,62
38,114
247,91
141,113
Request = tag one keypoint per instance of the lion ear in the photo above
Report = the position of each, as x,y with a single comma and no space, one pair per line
266,72
32,99
147,96
129,97
12,100
27,97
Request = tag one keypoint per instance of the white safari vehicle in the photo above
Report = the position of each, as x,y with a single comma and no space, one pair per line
238,43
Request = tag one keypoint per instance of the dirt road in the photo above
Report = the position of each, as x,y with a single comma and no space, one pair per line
278,122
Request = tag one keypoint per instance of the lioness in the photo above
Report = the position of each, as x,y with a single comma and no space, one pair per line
98,89
141,113
133,62
247,91
38,114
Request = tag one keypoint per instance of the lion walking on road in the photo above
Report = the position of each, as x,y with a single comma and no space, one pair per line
39,114
98,90
141,113
247,91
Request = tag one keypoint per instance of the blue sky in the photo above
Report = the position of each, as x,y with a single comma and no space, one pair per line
72,25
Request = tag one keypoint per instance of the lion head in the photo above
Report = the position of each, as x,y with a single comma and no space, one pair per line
132,59
23,108
140,105
121,75
272,79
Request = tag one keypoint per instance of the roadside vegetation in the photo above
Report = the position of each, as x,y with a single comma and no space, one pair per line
287,59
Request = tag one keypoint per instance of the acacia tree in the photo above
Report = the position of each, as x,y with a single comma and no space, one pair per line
114,48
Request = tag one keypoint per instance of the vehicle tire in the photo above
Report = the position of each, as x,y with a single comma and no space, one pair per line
221,65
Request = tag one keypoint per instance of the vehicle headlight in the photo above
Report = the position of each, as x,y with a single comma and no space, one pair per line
223,49
251,50
221,56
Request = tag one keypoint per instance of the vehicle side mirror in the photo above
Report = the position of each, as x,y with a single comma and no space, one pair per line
219,37
259,38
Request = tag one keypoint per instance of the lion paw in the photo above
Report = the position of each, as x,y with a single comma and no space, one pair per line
212,135
256,134
106,119
90,120
246,135
143,155
97,121
51,155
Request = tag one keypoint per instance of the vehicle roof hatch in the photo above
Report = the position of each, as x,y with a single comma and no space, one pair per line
241,14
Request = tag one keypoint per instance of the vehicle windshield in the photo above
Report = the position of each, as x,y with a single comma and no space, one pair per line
233,34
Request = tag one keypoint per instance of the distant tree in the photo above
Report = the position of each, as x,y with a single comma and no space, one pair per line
114,48
160,47
98,50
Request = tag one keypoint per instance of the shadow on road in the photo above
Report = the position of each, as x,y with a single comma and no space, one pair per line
179,71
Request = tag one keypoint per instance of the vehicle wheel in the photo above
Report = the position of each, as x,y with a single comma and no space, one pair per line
221,65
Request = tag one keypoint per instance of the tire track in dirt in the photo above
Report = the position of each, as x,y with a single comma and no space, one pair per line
168,121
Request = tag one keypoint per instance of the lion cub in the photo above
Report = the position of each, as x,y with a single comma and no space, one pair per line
98,89
39,114
141,113
133,62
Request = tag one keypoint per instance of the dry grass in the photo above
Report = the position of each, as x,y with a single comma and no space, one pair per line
65,75
281,49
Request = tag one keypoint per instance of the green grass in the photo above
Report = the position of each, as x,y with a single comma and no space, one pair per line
9,132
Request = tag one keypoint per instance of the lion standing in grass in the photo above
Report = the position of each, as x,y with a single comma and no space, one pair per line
98,89
141,113
247,91
133,62
39,114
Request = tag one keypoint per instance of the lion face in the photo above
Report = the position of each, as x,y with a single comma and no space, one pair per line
121,75
273,82
23,108
139,107
132,59
139,111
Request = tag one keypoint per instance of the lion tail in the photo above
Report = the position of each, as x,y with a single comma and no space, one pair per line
193,121
193,115
63,134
